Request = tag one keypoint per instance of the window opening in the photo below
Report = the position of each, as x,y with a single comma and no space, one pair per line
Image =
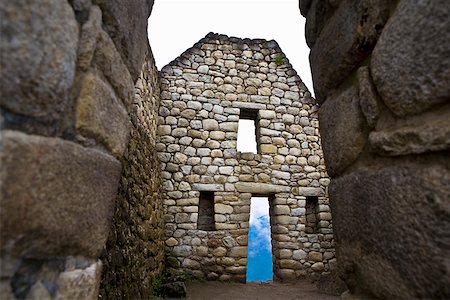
247,140
259,260
205,219
311,214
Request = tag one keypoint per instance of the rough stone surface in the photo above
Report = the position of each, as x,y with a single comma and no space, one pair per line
382,68
100,115
204,94
342,125
348,36
410,64
135,249
127,26
78,198
389,263
37,57
80,284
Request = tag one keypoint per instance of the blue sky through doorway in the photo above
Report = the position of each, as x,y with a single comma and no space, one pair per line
259,261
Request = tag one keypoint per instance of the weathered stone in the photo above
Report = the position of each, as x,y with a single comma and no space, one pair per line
318,266
222,209
127,25
346,39
368,97
315,256
410,64
97,109
80,284
207,187
428,136
299,254
238,251
417,191
263,188
37,57
65,191
343,131
37,292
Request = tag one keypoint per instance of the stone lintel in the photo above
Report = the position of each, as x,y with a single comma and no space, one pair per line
208,187
261,188
248,105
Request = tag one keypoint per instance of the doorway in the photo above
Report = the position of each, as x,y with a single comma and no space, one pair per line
259,259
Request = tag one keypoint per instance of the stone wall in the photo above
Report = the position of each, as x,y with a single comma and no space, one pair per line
381,72
67,73
135,247
204,93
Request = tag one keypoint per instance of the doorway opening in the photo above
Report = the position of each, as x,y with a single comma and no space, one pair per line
259,260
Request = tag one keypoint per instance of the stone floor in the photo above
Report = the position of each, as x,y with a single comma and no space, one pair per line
255,291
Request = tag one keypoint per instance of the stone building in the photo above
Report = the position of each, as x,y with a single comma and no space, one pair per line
209,183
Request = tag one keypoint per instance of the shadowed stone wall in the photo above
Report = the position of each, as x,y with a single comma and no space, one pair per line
204,93
381,72
67,73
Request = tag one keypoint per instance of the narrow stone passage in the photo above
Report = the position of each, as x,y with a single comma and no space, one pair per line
214,290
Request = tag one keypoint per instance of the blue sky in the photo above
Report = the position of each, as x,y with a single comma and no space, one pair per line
259,263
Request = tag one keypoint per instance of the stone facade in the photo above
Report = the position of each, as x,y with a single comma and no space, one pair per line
204,93
381,72
67,73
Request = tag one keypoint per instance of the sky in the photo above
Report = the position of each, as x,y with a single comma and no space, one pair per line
259,261
176,25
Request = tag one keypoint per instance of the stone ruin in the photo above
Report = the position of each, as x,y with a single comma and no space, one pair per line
209,183
82,206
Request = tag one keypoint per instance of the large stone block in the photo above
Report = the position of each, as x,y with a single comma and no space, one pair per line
392,230
57,198
126,23
101,116
96,46
346,40
419,134
38,51
343,129
261,188
411,61
81,283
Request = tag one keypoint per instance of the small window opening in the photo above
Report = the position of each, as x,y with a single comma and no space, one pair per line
311,214
247,140
259,260
205,219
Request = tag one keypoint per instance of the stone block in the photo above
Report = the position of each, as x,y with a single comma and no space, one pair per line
343,129
261,188
238,251
101,116
431,134
207,187
127,25
410,64
368,97
222,208
38,54
65,193
384,221
347,38
81,283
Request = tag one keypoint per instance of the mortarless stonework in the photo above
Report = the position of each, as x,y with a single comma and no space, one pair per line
381,72
203,94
